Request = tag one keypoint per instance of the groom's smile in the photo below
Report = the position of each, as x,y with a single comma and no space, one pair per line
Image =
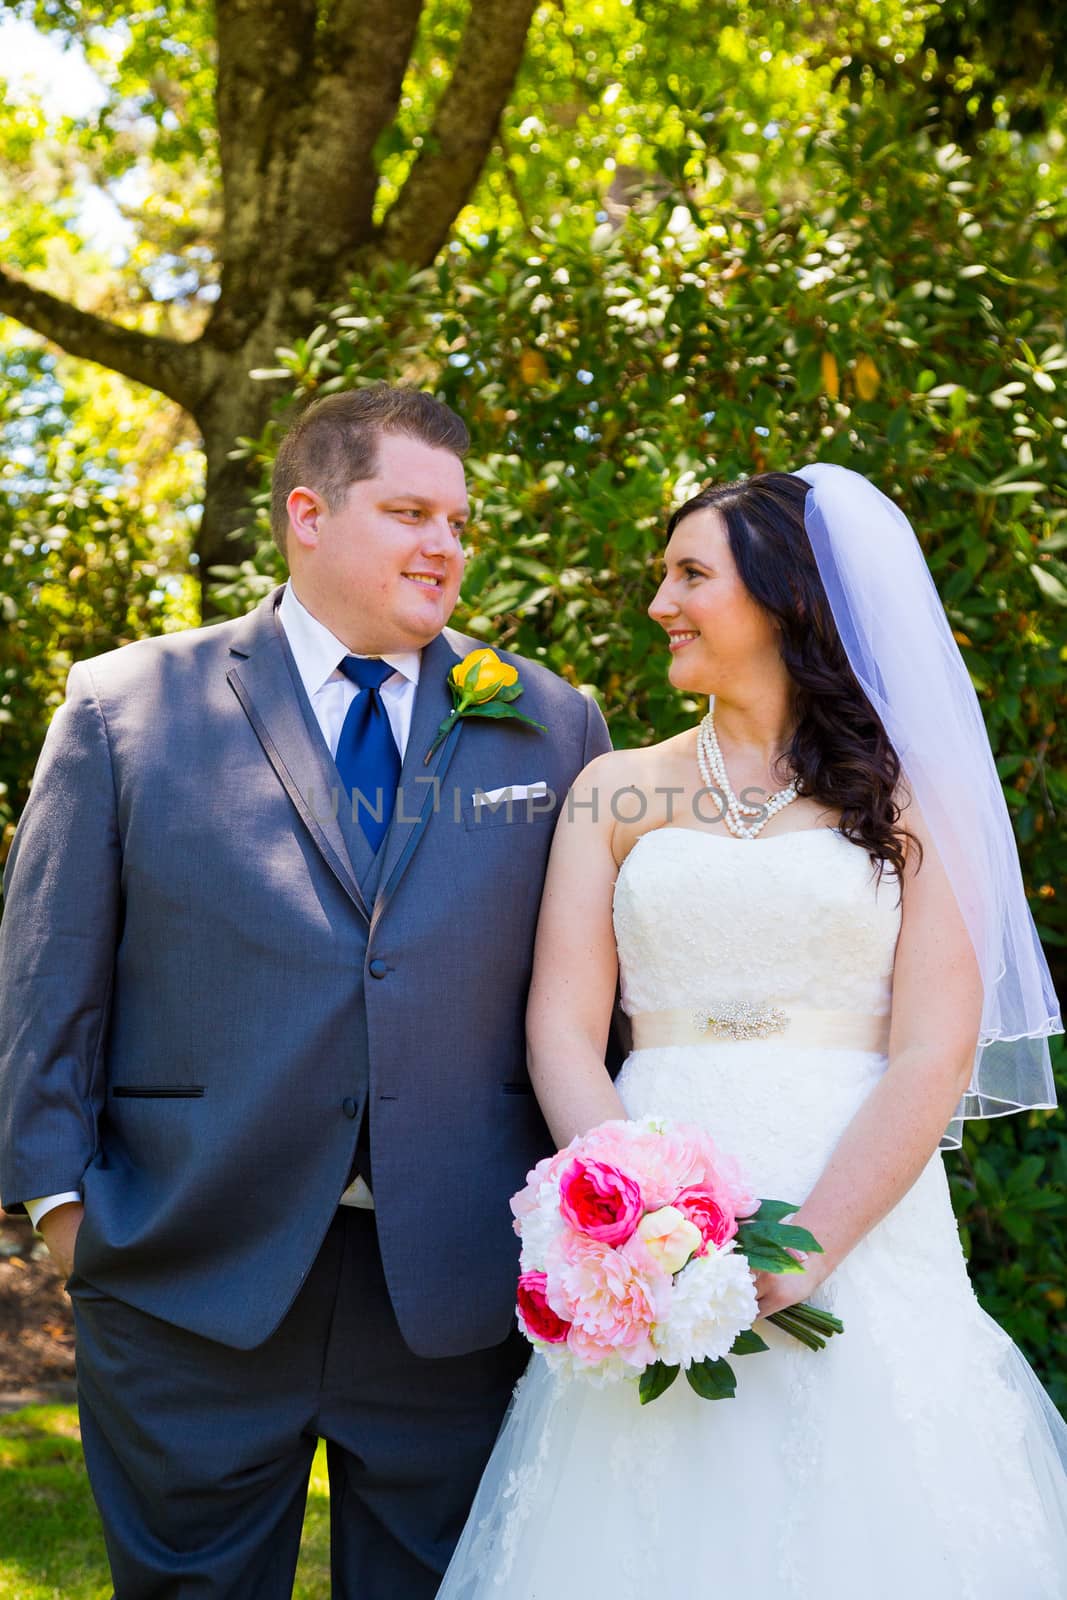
382,568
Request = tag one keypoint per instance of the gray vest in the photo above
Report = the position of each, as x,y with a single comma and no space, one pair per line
366,869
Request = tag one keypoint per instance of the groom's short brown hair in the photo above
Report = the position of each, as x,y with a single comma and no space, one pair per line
334,442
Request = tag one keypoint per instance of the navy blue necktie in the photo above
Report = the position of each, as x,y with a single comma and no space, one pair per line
367,757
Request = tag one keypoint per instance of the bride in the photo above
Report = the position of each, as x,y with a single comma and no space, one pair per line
863,942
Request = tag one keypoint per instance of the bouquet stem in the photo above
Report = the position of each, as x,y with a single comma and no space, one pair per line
807,1324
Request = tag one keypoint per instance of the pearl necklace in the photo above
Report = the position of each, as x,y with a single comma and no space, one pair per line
713,771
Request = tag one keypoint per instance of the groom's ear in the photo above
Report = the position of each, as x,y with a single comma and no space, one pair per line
305,508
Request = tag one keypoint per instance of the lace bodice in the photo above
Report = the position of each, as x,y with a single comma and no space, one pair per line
796,918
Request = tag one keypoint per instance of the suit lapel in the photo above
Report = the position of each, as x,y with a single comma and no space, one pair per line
418,790
261,678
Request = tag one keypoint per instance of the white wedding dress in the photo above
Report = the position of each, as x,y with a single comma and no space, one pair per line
917,1455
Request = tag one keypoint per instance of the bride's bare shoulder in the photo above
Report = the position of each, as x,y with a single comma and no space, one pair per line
622,791
641,765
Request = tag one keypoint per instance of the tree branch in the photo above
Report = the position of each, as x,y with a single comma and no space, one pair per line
360,65
174,368
515,190
265,70
442,179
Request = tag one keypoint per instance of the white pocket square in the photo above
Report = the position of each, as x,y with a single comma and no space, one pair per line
510,791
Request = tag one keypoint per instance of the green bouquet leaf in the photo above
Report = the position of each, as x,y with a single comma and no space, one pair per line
712,1380
655,1380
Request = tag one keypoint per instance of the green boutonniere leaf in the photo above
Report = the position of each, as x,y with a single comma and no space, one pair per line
481,686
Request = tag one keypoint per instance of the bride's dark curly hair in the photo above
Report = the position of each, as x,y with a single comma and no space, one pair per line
840,753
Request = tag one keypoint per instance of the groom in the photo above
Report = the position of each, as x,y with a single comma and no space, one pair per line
262,1062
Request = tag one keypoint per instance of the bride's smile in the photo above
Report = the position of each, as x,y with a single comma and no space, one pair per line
720,640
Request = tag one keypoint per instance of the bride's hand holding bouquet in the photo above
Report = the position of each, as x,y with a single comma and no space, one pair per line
779,1291
643,1252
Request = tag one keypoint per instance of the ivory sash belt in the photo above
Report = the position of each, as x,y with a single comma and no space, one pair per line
745,1021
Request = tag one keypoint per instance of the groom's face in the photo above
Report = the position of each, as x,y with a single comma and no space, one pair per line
383,569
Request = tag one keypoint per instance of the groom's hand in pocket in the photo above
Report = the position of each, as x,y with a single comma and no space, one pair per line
59,1230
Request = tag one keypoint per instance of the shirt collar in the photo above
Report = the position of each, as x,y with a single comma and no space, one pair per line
318,652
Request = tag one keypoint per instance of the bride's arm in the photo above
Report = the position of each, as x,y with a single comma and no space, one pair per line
936,1014
575,966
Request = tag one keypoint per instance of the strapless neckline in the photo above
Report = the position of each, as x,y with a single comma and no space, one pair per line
725,838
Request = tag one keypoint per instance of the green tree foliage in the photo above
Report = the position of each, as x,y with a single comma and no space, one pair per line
85,564
982,64
244,136
263,154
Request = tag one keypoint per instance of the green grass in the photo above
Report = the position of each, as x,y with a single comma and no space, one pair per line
51,1547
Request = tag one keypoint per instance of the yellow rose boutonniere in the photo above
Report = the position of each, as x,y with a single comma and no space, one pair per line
482,686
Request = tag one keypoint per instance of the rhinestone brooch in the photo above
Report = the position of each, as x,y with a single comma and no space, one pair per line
740,1019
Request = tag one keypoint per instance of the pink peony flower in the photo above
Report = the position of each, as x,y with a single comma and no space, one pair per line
600,1201
545,1172
701,1206
662,1157
536,1316
611,1302
668,1157
612,1142
720,1173
595,1352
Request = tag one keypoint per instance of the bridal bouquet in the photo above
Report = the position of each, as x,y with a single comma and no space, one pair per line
638,1245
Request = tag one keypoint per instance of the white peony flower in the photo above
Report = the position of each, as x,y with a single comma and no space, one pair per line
714,1300
564,1362
540,1228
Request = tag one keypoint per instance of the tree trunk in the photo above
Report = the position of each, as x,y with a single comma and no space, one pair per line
303,91
224,537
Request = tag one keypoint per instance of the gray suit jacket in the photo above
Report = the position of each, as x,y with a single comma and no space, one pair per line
205,976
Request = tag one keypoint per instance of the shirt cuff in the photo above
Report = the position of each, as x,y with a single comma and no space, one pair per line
36,1209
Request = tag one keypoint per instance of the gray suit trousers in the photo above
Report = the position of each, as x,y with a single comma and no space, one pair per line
199,1454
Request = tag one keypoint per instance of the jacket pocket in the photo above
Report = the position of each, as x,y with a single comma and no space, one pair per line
476,818
164,1091
516,1088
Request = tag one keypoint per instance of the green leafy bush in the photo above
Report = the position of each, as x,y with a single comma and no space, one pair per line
83,565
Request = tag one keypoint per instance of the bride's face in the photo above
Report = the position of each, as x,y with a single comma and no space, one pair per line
718,636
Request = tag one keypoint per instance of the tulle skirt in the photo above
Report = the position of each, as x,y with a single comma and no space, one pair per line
917,1455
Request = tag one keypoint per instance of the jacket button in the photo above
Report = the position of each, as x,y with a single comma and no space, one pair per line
348,1106
378,968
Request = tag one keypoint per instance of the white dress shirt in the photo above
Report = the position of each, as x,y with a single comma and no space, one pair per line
318,654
